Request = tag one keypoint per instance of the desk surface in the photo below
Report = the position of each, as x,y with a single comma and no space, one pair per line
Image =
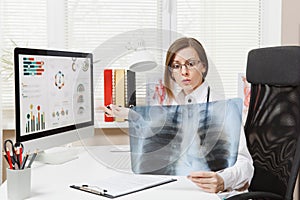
53,181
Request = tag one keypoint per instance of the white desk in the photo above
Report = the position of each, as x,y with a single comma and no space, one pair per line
53,181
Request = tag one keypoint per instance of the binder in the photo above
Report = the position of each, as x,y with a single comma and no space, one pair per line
131,89
123,184
120,89
108,92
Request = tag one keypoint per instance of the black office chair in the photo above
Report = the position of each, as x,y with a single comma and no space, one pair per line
272,127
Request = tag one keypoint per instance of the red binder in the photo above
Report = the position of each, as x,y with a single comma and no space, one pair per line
108,92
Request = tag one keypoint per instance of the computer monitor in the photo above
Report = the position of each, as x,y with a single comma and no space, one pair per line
54,97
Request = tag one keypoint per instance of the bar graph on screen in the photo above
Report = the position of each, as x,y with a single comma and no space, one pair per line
32,66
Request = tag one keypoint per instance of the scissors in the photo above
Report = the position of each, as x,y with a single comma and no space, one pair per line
13,153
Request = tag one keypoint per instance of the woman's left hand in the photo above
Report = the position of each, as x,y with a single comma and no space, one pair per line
208,181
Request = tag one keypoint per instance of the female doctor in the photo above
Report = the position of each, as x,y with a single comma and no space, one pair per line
187,66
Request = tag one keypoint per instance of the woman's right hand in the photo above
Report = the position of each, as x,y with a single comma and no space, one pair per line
115,111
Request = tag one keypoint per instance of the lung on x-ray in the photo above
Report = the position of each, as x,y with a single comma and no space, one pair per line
178,139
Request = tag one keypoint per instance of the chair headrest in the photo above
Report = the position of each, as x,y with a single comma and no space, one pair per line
274,66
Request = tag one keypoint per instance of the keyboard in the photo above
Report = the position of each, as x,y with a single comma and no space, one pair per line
121,161
115,157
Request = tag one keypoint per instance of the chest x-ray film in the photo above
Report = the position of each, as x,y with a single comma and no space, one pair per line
179,139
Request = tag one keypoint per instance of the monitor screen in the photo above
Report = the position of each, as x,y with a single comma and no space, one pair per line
54,96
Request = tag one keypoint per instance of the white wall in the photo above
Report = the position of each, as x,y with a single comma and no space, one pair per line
1,131
290,35
290,32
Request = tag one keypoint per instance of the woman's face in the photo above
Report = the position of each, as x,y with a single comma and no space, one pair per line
188,78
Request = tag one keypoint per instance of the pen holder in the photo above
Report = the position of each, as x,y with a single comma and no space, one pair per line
18,183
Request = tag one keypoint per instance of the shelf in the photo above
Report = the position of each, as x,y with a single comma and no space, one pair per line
111,124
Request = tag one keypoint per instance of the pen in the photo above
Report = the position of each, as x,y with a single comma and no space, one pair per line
13,161
20,155
32,159
24,162
16,157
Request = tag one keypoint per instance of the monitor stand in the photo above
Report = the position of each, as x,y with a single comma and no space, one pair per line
57,156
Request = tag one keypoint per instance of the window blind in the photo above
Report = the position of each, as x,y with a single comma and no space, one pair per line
22,23
227,30
90,25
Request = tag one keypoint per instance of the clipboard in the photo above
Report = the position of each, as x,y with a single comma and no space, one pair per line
145,182
87,188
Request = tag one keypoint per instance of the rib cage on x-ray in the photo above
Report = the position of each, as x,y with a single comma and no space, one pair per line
178,139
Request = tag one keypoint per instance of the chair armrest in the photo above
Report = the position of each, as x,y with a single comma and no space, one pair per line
253,195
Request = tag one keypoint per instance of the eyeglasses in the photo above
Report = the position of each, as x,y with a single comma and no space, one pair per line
189,64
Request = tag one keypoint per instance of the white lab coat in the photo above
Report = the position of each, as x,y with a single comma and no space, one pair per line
242,171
